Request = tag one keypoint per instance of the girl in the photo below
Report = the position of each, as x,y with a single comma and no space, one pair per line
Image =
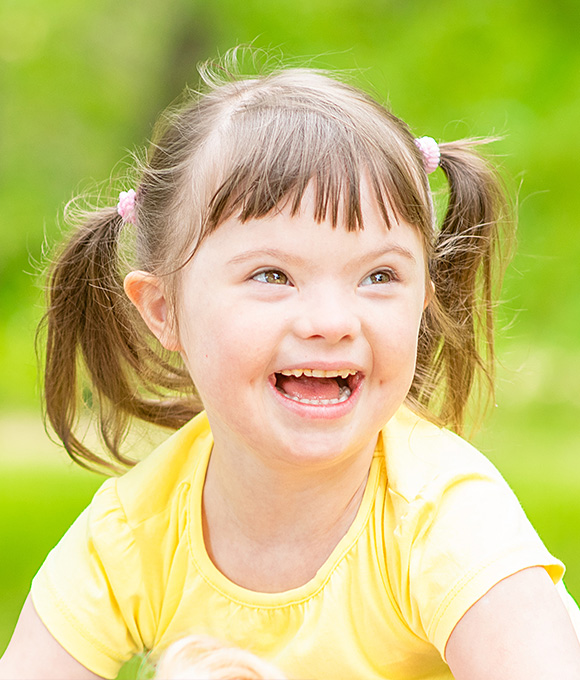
292,279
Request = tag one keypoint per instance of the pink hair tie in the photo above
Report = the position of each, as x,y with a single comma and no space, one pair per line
126,205
431,153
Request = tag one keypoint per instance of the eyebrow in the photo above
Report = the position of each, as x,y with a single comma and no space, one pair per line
394,248
267,252
295,259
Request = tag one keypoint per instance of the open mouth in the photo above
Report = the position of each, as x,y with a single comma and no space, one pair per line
317,387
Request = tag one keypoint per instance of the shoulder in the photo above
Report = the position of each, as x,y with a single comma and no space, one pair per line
130,513
453,528
153,485
98,591
419,455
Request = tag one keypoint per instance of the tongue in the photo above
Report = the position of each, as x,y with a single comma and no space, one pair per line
307,387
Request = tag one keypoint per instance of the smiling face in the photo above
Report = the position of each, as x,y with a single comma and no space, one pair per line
301,339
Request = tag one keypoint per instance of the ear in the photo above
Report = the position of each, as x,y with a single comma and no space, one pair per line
147,293
429,294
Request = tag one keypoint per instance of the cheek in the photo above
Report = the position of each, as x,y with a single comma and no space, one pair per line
224,346
396,342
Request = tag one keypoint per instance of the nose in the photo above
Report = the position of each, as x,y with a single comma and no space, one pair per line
327,313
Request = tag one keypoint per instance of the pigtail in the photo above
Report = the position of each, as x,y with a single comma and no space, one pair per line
92,331
457,344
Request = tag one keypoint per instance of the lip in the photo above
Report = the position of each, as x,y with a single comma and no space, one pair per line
319,411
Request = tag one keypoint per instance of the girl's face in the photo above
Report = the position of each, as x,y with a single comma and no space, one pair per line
301,338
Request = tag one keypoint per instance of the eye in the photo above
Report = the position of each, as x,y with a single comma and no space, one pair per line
274,276
380,276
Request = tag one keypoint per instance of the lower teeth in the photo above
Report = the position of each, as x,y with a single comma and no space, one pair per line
344,394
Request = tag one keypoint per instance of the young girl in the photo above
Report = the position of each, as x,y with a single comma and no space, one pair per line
292,279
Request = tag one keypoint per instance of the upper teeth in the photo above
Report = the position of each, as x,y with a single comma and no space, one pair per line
318,373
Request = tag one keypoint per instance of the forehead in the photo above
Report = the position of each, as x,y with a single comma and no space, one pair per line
297,237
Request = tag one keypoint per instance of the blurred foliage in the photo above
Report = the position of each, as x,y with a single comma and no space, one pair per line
81,85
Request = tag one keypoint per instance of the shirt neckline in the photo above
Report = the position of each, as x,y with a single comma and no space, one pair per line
240,595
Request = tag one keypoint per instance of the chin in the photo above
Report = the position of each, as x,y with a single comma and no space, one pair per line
323,448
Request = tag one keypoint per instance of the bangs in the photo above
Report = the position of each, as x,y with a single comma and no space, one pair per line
274,144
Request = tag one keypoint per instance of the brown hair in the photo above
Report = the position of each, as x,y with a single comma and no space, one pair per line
244,147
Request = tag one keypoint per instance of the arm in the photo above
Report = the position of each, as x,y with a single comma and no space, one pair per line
519,630
34,654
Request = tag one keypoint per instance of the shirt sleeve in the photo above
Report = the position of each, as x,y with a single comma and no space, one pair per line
457,539
88,592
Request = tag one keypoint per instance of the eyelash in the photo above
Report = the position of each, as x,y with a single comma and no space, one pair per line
390,274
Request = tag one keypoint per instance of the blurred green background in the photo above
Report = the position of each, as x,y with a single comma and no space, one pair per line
81,85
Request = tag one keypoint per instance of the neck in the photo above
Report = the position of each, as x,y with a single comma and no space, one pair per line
270,527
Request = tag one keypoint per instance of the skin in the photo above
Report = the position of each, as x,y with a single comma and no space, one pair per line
285,480
34,653
519,630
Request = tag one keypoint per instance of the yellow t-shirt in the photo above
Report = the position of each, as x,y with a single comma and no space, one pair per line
436,529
